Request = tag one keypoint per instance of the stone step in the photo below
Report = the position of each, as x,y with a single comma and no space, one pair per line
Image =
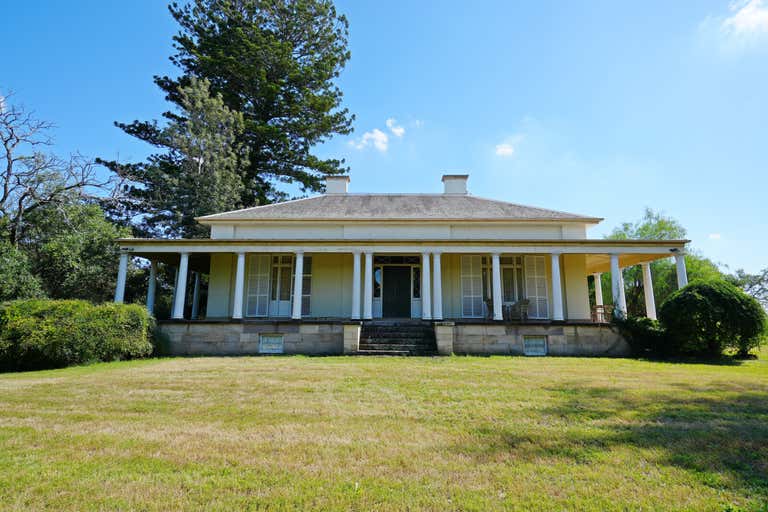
397,346
383,353
414,339
398,331
404,341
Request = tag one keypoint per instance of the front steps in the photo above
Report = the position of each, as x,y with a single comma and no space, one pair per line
397,338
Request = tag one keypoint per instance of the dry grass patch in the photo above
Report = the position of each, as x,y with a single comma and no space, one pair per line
386,434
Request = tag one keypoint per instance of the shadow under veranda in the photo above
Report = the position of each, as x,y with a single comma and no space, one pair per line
719,435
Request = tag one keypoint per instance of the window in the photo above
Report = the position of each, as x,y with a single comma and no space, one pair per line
512,285
416,286
396,260
535,345
378,273
271,344
270,278
281,277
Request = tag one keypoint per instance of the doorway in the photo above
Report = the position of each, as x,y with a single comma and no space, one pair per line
396,301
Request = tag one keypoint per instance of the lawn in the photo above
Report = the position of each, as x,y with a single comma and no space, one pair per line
386,434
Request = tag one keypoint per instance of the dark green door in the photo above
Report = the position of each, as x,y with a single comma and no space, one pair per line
397,292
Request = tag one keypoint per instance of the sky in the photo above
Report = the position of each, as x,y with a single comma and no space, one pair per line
597,108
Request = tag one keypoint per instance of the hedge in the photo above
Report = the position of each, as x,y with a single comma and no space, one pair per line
40,333
707,317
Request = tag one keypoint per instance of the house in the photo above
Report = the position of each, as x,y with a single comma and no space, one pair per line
397,273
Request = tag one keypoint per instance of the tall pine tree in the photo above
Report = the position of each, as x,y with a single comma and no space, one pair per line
275,63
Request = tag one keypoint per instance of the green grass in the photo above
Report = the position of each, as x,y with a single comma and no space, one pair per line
386,434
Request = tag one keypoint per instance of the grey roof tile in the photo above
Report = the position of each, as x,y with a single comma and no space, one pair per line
396,207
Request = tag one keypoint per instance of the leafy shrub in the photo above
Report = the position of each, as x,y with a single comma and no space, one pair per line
646,337
707,317
37,334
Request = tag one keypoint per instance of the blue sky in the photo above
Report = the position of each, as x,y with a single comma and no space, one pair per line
601,108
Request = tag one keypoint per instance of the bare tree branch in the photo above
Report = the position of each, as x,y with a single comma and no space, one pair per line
30,178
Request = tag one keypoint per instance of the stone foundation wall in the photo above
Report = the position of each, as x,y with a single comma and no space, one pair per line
562,340
327,338
242,338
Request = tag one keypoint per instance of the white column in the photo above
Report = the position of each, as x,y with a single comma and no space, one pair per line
557,289
122,274
151,286
196,296
368,287
298,281
650,302
355,286
496,280
598,289
181,286
426,288
617,288
237,305
682,274
437,287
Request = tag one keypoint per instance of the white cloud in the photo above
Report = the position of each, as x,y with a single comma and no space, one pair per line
745,27
377,138
396,129
508,146
418,123
714,236
749,18
505,149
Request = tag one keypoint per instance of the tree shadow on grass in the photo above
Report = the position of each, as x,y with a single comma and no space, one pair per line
719,436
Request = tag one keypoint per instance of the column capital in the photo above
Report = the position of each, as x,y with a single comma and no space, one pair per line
298,251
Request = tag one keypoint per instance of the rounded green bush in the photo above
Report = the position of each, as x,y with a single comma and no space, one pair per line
704,318
41,333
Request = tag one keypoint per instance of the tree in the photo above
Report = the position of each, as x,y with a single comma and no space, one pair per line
74,251
273,61
16,278
197,175
32,179
755,285
657,226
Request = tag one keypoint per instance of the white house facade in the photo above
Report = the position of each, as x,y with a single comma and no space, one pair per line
396,274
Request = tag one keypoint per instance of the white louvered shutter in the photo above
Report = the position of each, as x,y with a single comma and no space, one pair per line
471,286
536,286
258,285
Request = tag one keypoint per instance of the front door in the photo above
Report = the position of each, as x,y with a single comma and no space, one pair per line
397,292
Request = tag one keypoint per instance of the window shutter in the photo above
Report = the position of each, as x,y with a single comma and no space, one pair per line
258,285
471,286
536,287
